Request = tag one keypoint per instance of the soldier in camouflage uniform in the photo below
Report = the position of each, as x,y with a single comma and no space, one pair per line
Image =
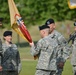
45,49
73,45
62,49
0,57
1,19
11,64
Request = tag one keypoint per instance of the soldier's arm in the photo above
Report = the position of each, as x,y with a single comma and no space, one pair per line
0,51
65,47
35,49
0,60
0,55
72,37
0,63
19,62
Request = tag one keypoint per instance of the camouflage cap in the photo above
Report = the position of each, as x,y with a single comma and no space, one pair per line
49,21
7,33
75,23
43,27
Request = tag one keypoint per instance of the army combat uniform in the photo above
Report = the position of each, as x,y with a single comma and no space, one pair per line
0,51
73,57
0,55
73,50
45,49
63,51
11,60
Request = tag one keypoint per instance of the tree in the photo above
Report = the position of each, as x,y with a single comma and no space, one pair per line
36,12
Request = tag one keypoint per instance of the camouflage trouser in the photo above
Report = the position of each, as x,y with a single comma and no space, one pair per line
9,73
59,72
0,73
43,72
74,70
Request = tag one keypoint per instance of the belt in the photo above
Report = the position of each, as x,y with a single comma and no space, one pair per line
74,65
47,70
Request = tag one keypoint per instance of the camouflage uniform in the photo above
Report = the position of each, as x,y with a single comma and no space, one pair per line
73,58
11,60
62,51
0,55
46,52
0,51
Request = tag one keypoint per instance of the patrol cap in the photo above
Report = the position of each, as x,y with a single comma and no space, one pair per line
1,19
43,27
7,33
49,21
75,23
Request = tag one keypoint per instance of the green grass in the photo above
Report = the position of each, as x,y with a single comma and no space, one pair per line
67,68
25,53
28,68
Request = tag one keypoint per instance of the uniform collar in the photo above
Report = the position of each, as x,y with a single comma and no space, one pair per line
52,34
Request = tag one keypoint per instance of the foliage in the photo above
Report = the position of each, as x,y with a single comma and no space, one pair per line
36,12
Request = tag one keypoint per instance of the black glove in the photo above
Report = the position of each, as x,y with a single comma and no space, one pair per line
60,65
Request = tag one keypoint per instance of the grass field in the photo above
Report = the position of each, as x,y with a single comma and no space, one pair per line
28,67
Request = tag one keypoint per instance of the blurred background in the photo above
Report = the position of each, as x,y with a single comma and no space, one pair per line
34,14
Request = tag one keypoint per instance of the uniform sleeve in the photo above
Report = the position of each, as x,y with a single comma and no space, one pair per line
35,49
64,46
0,60
18,62
0,52
72,37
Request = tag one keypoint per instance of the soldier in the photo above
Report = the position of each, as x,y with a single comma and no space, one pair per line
73,58
45,50
62,44
11,64
0,57
1,19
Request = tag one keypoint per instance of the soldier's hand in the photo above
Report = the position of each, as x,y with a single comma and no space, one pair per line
35,57
31,44
0,68
60,65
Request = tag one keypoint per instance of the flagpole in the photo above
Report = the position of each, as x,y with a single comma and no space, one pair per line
18,40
